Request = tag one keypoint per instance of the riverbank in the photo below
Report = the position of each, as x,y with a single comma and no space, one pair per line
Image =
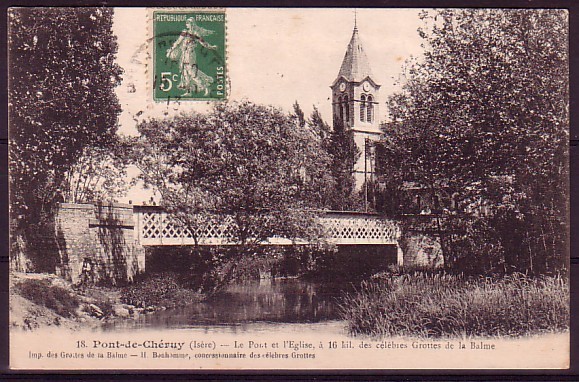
39,300
438,305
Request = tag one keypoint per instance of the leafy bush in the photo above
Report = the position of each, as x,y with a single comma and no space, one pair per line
56,298
437,305
161,289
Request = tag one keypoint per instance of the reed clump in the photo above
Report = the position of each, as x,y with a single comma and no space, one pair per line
444,305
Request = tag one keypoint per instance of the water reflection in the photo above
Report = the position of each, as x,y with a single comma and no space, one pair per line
275,301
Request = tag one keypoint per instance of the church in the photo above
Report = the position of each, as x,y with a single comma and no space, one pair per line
355,103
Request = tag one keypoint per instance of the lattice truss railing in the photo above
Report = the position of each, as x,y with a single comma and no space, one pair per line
156,225
160,228
360,229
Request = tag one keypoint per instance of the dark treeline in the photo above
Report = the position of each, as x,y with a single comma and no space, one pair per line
480,130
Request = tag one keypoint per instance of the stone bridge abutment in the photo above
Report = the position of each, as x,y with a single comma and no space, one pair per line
99,238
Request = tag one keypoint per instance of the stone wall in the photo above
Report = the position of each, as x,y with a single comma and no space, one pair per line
421,250
101,235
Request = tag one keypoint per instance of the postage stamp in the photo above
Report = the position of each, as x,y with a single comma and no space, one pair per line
189,55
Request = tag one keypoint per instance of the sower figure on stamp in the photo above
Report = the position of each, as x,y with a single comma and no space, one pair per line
183,51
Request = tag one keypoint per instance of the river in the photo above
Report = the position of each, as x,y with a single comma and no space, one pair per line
265,305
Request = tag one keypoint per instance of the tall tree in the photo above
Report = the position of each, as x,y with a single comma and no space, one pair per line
320,127
345,154
98,175
338,156
322,135
61,100
299,114
484,118
250,164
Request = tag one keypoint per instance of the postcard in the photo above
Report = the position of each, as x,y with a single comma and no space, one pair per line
288,188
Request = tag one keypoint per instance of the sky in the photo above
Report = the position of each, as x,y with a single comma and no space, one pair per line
274,56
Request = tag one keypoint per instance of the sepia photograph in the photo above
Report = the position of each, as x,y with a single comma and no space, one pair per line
288,188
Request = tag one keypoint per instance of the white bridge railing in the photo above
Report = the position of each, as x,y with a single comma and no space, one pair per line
155,227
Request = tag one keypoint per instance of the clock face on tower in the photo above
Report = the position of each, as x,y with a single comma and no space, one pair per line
366,86
342,87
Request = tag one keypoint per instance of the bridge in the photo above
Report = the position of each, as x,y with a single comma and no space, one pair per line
154,227
114,236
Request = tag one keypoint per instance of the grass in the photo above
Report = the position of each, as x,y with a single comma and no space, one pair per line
442,305
161,289
60,300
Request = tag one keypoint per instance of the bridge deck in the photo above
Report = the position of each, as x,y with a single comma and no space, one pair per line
156,227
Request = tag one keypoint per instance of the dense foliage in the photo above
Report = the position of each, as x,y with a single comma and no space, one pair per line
250,164
159,290
61,102
344,154
482,126
339,146
99,174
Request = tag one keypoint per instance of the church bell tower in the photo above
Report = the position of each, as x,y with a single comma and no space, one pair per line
355,96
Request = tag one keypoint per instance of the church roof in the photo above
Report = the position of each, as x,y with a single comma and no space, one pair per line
355,66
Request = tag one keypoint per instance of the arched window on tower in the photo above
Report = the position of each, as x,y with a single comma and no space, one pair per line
347,110
362,107
370,109
341,109
454,201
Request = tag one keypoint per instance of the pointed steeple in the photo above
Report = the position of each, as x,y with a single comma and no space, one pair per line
355,105
355,66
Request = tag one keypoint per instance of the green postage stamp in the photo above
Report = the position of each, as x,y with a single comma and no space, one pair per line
189,55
